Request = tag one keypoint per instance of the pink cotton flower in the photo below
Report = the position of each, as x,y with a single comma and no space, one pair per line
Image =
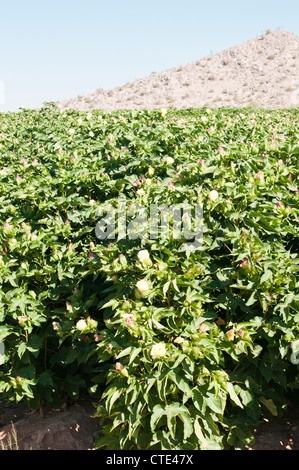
260,176
90,255
244,263
129,321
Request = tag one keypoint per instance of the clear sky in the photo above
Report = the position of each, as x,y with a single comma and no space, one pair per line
59,49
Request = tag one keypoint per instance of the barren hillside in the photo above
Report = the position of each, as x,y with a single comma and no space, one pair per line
262,72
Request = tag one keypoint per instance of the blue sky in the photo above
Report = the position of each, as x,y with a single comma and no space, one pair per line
59,49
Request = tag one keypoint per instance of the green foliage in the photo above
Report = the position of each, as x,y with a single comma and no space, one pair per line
185,349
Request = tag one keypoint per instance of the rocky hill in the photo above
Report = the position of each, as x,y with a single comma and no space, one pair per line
262,72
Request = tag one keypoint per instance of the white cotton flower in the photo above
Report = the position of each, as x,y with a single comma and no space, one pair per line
143,256
169,160
214,195
81,325
143,287
158,350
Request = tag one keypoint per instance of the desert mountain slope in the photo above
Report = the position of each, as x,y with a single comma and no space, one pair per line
262,72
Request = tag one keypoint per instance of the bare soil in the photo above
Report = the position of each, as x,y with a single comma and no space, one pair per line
73,427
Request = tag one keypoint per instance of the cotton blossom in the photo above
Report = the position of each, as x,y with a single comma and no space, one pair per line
214,195
119,367
169,160
81,325
260,176
203,328
158,350
129,319
55,325
143,287
98,338
244,263
22,319
143,256
179,340
230,335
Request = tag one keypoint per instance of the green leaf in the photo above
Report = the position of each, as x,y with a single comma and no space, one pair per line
270,405
215,403
233,396
200,435
134,354
266,277
125,352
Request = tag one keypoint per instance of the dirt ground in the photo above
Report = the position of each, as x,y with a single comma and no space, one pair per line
73,428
